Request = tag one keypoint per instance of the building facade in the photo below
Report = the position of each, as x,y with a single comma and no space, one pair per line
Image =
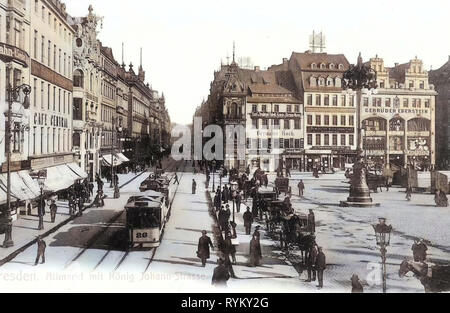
51,80
87,126
440,78
398,121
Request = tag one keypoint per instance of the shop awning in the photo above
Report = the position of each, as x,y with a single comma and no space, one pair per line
23,187
116,160
123,158
59,178
77,170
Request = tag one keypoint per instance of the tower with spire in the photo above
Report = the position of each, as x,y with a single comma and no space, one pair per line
141,72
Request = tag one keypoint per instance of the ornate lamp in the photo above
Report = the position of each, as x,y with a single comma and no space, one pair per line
383,236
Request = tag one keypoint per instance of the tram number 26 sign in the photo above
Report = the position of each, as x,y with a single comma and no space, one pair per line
141,235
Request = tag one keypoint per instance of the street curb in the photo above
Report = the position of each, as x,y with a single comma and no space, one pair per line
14,254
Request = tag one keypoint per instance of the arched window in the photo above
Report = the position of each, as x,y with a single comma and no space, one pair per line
313,65
76,139
418,125
332,66
78,79
321,81
329,81
341,67
312,81
234,110
337,82
323,66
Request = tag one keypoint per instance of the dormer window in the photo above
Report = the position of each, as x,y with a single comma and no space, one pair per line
337,82
312,81
331,66
323,66
341,67
321,81
313,65
329,81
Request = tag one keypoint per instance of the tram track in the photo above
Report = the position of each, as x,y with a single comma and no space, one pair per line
96,237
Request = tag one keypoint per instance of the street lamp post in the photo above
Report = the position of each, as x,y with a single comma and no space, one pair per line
357,78
383,236
12,94
234,188
214,171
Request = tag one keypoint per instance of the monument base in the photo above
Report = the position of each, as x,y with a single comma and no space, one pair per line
358,204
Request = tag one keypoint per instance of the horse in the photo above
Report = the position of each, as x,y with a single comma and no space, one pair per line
434,278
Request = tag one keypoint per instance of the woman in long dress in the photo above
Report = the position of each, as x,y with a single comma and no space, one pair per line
255,252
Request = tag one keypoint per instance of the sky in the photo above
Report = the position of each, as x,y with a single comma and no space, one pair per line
184,42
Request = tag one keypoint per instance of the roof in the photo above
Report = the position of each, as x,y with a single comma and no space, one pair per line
304,60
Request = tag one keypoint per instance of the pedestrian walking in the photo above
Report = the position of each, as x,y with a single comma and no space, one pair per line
204,243
301,188
80,207
194,186
228,248
53,211
217,201
408,193
255,252
311,221
320,266
220,275
223,219
41,245
176,179
356,284
248,220
238,199
419,249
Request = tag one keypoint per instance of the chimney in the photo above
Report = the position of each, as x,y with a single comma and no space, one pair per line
396,64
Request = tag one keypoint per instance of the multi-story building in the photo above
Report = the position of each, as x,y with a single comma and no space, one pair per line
51,127
264,103
87,74
441,80
398,121
329,112
15,70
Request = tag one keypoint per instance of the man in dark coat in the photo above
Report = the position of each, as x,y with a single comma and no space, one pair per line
321,264
311,259
194,186
229,249
220,275
41,245
223,219
217,201
238,199
53,211
419,249
301,188
248,220
203,247
311,221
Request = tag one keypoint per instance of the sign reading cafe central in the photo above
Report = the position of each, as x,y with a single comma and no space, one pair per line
44,119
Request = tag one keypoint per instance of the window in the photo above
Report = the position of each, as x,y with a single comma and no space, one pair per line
48,96
36,6
78,109
54,98
276,123
42,95
42,49
343,120
309,100
318,120
326,139
309,139
335,120
335,100
49,48
35,92
287,124
352,101
343,100
326,120
65,64
411,84
318,141
422,84
289,108
327,100
16,137
265,122
276,108
59,61
264,108
43,13
35,44
343,141
387,102
351,120
297,123
309,119
54,57
318,100
405,103
427,103
297,109
334,140
351,140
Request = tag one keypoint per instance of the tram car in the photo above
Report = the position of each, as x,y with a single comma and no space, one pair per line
146,218
155,185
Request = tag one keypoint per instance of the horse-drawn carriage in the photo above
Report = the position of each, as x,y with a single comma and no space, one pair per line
282,185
